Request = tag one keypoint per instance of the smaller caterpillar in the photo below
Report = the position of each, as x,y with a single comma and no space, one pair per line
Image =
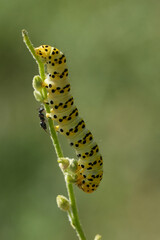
42,119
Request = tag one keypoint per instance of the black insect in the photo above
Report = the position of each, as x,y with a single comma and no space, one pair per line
42,119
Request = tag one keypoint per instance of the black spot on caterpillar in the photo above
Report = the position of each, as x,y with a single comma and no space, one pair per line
70,124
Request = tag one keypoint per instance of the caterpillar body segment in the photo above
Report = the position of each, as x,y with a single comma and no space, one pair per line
70,124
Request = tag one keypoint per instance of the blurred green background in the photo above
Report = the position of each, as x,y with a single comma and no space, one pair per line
113,54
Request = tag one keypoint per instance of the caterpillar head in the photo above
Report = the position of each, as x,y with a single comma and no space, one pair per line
43,52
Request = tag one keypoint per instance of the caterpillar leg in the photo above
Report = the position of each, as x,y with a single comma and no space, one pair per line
48,115
57,128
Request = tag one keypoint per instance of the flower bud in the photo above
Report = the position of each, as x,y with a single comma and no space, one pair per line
63,163
71,178
98,237
38,96
73,165
63,203
37,83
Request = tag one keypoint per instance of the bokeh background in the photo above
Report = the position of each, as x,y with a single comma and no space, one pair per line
113,54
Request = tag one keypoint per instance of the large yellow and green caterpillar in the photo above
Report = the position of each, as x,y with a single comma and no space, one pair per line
70,124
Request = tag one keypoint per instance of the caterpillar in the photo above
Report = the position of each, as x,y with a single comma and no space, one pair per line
42,118
70,124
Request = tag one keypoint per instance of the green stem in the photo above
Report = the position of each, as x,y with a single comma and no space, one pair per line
73,213
75,217
30,47
53,135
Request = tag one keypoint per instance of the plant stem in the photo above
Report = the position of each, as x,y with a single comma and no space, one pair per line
73,213
75,217
30,47
53,135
